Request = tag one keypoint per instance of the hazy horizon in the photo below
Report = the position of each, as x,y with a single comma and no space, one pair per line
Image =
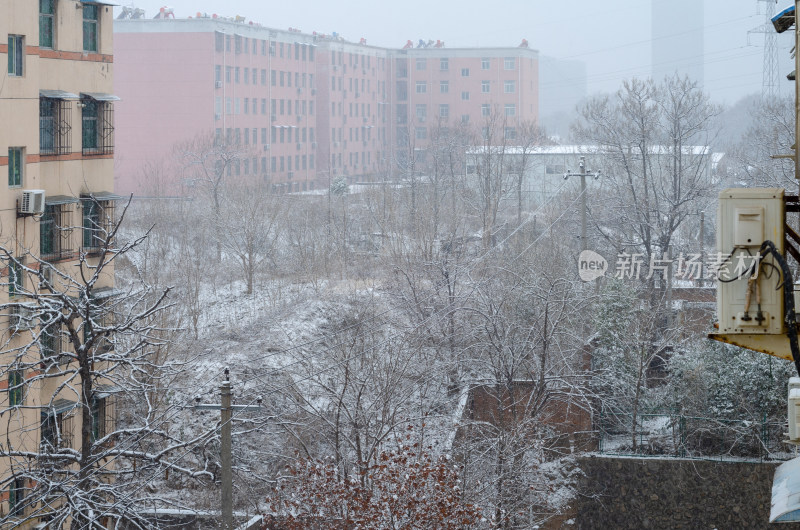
614,41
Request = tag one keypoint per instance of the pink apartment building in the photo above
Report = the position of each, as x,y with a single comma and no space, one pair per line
305,108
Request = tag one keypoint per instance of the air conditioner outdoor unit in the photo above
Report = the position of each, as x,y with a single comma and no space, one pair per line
32,202
218,84
22,318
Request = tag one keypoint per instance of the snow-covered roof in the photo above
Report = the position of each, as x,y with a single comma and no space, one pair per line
583,150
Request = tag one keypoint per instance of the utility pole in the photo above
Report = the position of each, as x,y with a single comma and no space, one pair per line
702,248
225,409
583,173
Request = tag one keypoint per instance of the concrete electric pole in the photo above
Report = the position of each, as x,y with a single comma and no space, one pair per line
583,173
225,409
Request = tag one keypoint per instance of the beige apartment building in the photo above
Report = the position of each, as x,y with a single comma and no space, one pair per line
56,149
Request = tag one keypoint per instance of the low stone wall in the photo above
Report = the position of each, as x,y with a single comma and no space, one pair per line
640,493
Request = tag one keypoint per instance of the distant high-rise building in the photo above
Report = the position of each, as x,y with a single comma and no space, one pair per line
677,38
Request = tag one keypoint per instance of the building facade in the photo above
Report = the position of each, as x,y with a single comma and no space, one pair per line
305,109
57,151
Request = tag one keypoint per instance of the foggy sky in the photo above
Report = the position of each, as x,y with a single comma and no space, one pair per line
612,37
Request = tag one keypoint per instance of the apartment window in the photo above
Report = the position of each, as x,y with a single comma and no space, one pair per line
228,70
421,133
485,87
15,161
47,13
52,244
57,424
465,119
510,133
15,387
509,86
422,87
49,340
16,55
90,22
97,124
484,133
16,497
422,113
555,169
485,63
263,106
247,76
236,74
511,109
100,417
465,72
486,109
444,87
98,217
465,96
422,64
444,111
263,77
218,73
444,64
509,63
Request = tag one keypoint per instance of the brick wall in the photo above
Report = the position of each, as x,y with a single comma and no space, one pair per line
646,493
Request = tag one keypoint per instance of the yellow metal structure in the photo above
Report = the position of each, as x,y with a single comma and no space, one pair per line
776,345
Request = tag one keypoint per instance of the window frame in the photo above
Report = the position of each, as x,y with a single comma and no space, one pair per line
509,86
96,214
47,19
55,126
16,55
91,28
16,166
16,387
97,126
512,61
16,497
421,87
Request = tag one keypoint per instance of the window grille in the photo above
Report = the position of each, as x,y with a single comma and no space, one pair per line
55,126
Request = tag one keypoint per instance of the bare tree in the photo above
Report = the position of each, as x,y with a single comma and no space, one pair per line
77,349
251,220
654,141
